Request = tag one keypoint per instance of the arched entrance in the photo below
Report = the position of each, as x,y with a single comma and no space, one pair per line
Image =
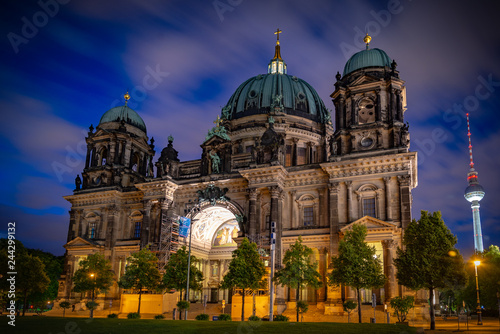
213,232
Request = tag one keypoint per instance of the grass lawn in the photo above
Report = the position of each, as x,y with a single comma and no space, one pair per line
50,325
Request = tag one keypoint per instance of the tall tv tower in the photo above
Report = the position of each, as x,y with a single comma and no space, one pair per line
474,193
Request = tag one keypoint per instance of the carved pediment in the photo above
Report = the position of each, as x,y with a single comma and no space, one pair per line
364,79
371,224
79,242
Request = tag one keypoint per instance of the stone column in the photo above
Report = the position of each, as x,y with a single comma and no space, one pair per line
389,247
378,108
405,199
112,228
71,227
87,159
349,201
388,211
333,188
322,266
295,151
145,226
252,210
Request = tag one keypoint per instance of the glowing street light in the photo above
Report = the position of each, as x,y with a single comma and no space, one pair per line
479,318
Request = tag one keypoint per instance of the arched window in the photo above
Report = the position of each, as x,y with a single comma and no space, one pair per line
92,230
309,211
137,229
368,195
104,156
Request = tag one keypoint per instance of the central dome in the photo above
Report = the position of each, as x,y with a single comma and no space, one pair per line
260,94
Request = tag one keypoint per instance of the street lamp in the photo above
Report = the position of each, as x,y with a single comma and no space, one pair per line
92,275
479,318
191,213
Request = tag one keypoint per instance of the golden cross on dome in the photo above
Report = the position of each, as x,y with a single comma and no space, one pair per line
217,121
278,32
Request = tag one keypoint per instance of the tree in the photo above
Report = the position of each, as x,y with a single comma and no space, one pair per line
356,264
64,306
175,276
141,273
348,306
401,306
94,275
298,271
31,277
246,271
429,259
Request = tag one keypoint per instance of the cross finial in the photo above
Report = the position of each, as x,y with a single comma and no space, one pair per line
277,33
217,121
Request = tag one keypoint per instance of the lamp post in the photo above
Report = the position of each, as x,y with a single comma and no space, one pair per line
193,211
479,318
93,289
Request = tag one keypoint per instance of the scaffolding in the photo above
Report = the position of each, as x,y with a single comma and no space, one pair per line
169,239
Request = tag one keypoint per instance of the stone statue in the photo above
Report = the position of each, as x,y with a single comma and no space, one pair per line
404,135
215,162
78,182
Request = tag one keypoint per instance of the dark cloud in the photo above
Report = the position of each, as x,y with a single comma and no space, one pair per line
81,62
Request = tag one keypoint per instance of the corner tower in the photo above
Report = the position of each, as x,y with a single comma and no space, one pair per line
370,101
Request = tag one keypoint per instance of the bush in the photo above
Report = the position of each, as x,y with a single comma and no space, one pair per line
401,306
302,306
113,315
225,317
281,317
202,316
64,306
254,318
159,316
183,305
133,315
91,305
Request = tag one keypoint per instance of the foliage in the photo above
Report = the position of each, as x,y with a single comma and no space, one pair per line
302,306
183,305
133,315
53,268
202,316
159,316
97,265
488,278
64,306
91,305
246,270
253,318
224,317
113,315
298,271
141,273
175,276
401,306
281,317
429,259
349,306
356,264
31,276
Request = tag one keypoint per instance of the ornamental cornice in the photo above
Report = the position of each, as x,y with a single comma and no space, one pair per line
306,178
391,165
265,176
161,189
104,198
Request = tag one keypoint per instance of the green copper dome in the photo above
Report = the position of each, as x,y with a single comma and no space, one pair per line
117,114
367,58
266,92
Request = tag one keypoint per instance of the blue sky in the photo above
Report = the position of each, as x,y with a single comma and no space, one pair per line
64,63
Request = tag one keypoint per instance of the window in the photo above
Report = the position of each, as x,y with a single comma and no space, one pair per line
92,230
308,216
369,207
137,230
288,158
301,158
248,149
268,222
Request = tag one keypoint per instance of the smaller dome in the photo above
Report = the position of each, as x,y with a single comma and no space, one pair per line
367,58
117,114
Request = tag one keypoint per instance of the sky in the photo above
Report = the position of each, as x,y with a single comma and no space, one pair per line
64,63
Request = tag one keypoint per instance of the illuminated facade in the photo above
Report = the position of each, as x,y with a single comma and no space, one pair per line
276,155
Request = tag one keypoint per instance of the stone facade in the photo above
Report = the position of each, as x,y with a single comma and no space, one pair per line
279,158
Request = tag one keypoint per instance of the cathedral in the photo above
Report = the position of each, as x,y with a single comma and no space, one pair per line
275,154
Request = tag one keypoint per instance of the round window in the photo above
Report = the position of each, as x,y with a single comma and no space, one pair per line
366,142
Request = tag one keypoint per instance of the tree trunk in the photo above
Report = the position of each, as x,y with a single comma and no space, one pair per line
139,307
25,301
432,313
243,306
297,297
359,304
